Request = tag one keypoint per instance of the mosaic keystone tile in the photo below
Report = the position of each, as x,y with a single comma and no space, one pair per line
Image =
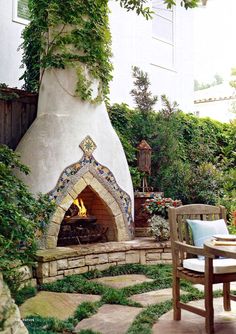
88,146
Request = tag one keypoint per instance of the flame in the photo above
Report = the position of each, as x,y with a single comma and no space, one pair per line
82,209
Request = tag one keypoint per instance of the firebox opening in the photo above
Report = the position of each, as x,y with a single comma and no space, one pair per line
88,220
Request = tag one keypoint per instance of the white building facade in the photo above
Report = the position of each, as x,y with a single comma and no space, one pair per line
163,47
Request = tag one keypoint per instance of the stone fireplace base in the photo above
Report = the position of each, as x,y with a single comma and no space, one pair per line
54,264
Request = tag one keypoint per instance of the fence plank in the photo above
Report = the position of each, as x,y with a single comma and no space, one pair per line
16,116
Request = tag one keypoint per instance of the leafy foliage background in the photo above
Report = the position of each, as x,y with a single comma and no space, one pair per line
22,216
193,159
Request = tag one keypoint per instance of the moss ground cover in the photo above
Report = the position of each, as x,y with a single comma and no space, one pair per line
161,274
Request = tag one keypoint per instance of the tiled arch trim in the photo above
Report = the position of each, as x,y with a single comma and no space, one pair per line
75,178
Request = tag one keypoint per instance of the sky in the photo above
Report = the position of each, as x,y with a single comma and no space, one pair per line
214,39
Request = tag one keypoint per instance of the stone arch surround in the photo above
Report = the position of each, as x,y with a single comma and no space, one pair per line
73,180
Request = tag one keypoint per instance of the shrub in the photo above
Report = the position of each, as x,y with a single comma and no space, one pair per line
159,228
21,217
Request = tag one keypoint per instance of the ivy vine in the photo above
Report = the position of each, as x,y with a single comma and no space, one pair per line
73,33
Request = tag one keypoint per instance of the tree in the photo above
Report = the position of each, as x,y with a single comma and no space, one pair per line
141,93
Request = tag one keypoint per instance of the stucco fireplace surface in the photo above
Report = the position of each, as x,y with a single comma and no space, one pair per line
71,147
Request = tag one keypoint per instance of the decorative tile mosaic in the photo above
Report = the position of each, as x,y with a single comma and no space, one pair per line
73,173
88,146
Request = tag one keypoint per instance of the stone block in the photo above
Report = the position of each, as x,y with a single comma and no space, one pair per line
80,270
25,272
29,283
62,264
66,202
79,262
97,186
73,193
51,242
153,256
95,259
53,268
166,261
58,215
115,209
104,266
154,262
88,177
121,262
42,269
166,256
117,256
80,186
53,229
119,220
108,198
142,256
132,257
51,279
60,272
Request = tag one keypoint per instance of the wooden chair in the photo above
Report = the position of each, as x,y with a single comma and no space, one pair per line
183,248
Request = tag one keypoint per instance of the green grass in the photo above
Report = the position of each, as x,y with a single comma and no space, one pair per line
161,275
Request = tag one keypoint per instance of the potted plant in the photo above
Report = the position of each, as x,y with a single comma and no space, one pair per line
158,208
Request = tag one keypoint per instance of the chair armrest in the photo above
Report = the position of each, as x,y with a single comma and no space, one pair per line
180,246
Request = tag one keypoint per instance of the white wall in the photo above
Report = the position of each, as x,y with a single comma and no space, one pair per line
132,45
10,39
218,110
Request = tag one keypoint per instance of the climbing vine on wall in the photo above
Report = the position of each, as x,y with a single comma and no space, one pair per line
65,34
73,34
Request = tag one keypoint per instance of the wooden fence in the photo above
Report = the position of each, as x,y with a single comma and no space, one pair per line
18,109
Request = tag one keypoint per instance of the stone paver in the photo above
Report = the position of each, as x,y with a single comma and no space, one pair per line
122,281
225,322
153,297
55,304
110,319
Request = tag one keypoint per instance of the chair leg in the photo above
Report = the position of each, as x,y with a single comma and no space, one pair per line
226,296
176,298
208,288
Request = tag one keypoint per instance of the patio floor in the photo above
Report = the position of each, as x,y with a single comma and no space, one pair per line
116,319
225,322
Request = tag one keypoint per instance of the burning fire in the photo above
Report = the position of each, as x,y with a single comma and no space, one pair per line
82,209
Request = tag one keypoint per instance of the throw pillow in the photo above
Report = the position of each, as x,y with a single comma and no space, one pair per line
203,230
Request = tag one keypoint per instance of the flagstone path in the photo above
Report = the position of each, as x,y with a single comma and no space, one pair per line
55,304
116,319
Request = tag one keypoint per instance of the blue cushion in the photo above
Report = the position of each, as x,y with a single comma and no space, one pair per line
203,230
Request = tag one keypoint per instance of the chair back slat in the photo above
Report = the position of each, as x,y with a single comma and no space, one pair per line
179,228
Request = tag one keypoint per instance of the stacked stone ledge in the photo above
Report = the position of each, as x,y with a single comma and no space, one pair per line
54,264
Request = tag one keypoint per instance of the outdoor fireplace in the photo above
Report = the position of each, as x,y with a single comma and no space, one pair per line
74,153
87,220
